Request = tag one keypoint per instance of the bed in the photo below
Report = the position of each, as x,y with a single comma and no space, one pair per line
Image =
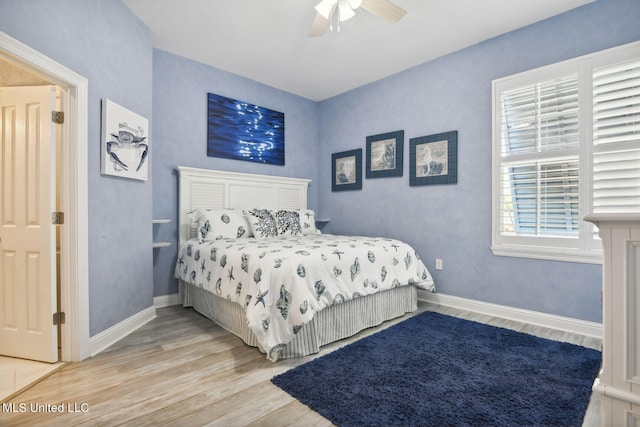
252,260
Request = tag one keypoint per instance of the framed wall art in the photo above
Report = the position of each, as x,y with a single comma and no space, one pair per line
346,170
125,142
434,159
385,154
243,131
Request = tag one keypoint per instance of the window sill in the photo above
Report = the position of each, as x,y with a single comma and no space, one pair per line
548,253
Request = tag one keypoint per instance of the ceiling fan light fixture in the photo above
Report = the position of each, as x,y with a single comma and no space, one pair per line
325,7
345,11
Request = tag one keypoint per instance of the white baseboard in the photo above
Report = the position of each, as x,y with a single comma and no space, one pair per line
566,324
166,300
110,336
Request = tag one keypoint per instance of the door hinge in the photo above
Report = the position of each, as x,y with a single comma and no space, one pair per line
57,117
57,218
58,318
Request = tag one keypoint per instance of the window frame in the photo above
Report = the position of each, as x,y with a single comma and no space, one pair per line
587,247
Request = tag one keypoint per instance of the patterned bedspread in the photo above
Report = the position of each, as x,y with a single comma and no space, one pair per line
283,281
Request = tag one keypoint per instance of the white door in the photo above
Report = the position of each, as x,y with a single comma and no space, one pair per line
27,237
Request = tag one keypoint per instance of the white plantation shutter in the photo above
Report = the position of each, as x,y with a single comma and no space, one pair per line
541,199
566,144
540,165
616,138
541,117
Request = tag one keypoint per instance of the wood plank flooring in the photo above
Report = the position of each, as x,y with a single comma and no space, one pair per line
17,374
183,370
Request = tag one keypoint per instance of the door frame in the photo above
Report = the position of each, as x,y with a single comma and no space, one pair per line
74,242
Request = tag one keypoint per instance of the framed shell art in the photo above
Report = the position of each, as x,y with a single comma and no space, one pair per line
346,170
125,142
434,159
242,131
385,154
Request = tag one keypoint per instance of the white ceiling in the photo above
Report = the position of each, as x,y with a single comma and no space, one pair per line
266,40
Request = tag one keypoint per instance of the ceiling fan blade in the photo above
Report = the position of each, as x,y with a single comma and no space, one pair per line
319,26
385,9
320,23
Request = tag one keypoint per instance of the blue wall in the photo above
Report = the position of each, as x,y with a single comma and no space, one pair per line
453,222
102,41
180,88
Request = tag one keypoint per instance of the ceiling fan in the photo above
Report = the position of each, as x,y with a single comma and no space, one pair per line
385,9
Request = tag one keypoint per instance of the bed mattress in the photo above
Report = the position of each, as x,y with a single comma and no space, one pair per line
283,283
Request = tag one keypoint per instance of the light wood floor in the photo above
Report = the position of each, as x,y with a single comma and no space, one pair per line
181,369
18,374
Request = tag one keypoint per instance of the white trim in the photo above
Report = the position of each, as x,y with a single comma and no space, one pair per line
614,220
615,392
548,253
112,335
560,323
585,247
74,197
166,300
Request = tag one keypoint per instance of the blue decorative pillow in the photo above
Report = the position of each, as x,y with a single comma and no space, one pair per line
288,223
262,223
215,224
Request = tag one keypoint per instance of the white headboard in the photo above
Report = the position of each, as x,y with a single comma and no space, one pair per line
212,189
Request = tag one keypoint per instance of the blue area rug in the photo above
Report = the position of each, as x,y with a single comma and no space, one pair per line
437,370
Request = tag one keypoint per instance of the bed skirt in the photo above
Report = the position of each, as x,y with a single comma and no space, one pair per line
331,324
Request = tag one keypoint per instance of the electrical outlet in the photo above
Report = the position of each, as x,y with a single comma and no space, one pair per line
438,264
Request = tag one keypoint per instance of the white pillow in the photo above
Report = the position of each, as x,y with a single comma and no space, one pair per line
262,223
308,222
215,224
288,223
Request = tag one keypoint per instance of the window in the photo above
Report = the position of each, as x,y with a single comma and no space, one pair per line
566,142
616,138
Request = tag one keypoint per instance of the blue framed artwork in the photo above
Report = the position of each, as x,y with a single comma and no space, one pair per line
385,154
346,170
434,159
243,131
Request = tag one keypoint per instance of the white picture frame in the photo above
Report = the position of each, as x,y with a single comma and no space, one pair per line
125,142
